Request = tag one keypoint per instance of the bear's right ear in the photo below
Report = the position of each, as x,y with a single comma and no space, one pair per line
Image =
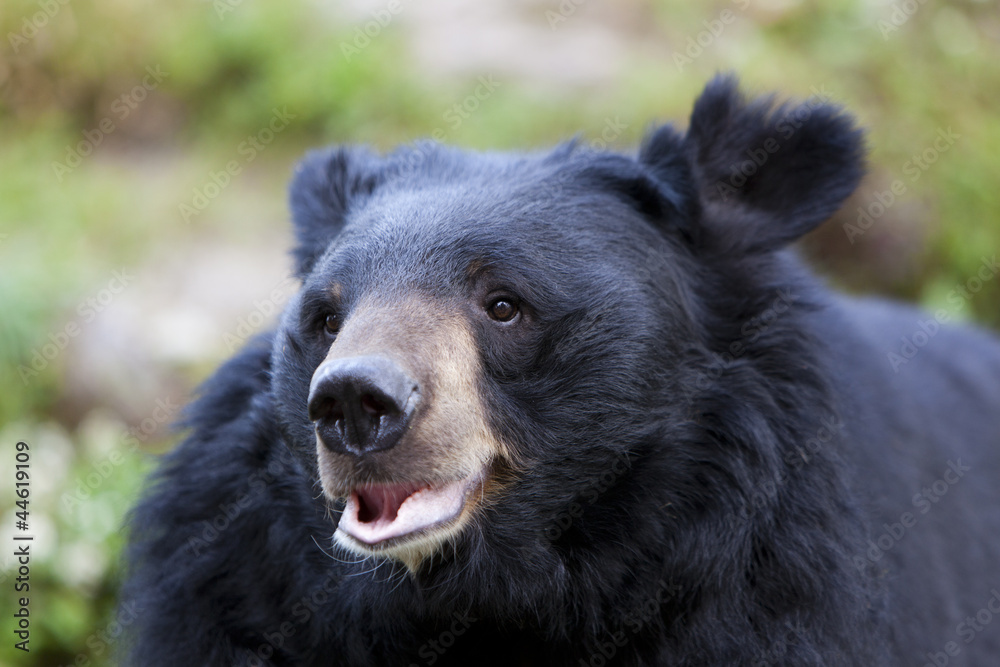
326,184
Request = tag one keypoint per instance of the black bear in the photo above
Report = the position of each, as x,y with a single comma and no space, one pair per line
582,408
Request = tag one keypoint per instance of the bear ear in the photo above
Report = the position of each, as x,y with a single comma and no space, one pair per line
780,170
326,184
663,156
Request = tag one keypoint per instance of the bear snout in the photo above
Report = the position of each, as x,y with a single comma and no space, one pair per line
361,404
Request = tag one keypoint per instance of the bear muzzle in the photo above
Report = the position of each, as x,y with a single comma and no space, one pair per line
401,432
362,404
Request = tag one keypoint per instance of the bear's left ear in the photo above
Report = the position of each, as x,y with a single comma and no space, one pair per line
662,155
776,171
326,184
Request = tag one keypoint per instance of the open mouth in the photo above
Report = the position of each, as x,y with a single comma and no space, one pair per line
383,515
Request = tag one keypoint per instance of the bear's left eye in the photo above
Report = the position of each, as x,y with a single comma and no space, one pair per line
332,324
502,309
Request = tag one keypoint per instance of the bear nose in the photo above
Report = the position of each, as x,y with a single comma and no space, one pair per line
361,404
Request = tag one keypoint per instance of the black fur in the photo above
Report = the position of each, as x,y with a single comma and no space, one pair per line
710,438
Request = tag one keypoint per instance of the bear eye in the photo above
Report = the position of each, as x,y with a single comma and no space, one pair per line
502,309
332,324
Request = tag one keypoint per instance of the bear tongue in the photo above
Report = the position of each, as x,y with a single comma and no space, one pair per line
381,503
379,512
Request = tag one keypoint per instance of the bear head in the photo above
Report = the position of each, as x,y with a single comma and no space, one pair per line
487,346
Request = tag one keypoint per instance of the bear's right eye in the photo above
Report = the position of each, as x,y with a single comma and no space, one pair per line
503,310
332,324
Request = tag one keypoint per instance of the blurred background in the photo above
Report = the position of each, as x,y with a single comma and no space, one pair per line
145,149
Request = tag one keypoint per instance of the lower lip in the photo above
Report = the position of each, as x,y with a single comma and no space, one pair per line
471,486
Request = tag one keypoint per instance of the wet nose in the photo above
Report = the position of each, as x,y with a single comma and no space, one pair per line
361,404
